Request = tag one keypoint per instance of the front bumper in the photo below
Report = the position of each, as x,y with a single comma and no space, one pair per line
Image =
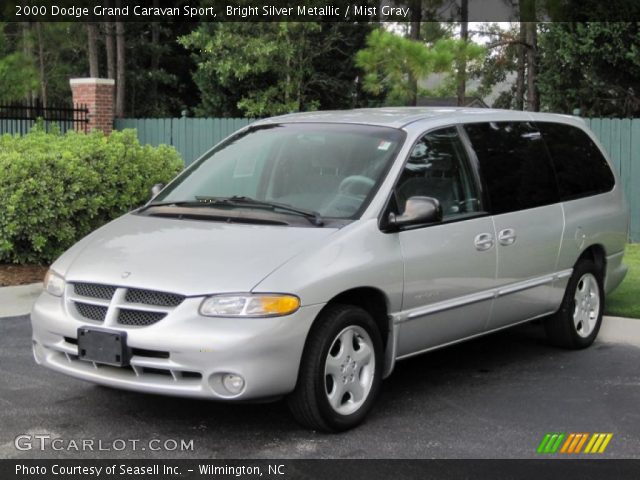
185,354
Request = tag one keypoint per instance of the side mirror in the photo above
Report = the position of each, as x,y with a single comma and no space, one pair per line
417,211
156,189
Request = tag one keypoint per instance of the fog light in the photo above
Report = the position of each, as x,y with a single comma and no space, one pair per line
233,383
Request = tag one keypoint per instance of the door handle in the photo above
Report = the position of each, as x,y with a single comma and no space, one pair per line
507,236
483,241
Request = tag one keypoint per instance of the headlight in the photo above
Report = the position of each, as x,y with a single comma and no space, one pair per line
247,305
54,283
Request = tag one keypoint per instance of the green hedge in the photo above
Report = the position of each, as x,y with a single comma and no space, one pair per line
55,189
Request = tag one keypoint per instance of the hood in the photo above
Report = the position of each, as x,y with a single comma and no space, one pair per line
189,257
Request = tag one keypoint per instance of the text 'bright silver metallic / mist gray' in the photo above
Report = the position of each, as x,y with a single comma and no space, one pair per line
306,254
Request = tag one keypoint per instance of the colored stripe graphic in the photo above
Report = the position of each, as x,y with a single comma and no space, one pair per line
543,443
550,443
576,439
567,443
556,445
605,443
594,437
598,442
573,443
581,442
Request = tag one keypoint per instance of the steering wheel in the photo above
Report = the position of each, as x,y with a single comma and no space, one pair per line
356,185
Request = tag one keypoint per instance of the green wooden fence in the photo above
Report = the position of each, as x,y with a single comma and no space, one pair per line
193,136
621,139
14,126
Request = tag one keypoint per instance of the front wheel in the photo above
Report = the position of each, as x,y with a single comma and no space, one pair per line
577,323
340,372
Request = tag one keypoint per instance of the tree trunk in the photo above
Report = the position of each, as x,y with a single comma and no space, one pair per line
120,67
92,49
519,100
27,50
461,89
414,34
109,42
533,99
155,55
300,75
41,65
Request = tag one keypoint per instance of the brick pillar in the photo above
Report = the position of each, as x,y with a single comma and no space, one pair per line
97,95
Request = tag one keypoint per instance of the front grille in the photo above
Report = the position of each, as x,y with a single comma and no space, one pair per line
149,297
94,290
127,304
164,374
157,371
97,313
139,318
142,352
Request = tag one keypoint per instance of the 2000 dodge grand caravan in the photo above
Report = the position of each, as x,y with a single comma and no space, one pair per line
305,254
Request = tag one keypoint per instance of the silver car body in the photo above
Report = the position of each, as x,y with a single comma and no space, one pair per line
437,288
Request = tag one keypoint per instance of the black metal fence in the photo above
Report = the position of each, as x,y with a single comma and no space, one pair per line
20,118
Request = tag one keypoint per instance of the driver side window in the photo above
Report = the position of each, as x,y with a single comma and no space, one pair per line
438,167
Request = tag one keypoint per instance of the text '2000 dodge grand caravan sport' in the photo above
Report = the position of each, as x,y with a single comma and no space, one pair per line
305,254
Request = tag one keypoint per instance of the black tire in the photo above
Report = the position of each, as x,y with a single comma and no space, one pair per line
309,403
561,328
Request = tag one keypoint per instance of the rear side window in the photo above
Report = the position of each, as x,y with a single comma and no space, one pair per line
515,165
580,166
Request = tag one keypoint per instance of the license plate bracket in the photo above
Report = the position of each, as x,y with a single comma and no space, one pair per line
107,347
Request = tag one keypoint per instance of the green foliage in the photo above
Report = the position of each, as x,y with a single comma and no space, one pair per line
270,68
18,75
389,61
623,302
158,69
63,45
158,73
473,56
55,189
499,62
239,53
594,66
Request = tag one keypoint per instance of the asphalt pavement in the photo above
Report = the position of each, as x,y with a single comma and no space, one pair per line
495,397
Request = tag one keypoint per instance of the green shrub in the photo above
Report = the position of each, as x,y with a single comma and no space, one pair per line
55,189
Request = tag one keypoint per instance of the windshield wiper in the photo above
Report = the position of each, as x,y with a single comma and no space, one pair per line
198,202
186,203
240,200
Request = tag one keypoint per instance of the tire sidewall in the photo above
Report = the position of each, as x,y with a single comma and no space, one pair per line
349,317
584,267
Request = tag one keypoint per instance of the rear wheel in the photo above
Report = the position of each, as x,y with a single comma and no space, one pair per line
577,323
340,373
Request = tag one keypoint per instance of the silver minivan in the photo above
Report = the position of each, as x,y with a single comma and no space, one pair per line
306,254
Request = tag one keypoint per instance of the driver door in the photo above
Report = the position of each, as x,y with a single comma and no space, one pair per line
450,267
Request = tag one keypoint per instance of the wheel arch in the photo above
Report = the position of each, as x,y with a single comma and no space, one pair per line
375,302
597,254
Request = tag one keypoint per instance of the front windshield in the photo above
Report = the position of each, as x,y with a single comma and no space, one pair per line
332,169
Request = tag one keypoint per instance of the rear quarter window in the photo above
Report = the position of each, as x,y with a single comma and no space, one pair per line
580,166
514,164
